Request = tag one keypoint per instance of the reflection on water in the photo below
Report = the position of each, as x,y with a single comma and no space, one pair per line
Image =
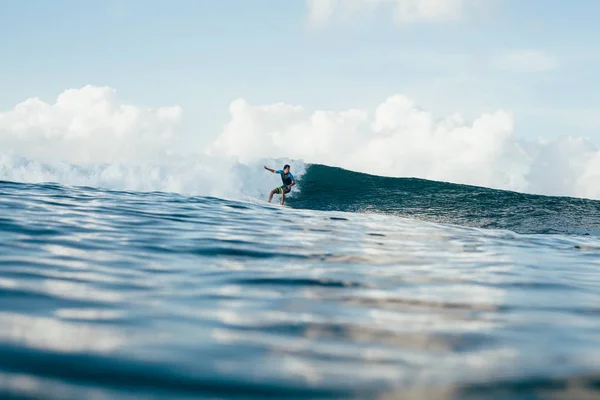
51,334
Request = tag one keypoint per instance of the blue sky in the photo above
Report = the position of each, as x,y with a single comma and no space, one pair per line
537,59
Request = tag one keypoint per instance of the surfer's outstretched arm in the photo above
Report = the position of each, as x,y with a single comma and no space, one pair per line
269,169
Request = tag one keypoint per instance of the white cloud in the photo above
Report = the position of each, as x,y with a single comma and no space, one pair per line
429,10
525,61
87,125
319,11
566,166
400,139
405,11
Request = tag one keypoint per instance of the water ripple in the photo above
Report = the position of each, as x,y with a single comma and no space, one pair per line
107,294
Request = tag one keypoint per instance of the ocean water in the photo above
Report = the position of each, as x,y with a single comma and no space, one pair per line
367,287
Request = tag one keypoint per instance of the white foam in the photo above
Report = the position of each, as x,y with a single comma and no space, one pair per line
206,176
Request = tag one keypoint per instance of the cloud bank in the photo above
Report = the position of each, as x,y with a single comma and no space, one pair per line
87,125
89,137
405,11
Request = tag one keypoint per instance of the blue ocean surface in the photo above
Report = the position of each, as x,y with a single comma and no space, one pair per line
366,287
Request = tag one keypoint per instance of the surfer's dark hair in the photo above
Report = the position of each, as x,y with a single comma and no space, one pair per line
286,166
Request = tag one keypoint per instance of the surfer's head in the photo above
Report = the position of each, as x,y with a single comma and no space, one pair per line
286,169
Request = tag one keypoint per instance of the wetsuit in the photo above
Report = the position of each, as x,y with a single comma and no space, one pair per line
287,180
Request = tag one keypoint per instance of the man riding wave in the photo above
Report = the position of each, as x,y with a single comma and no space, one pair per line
286,178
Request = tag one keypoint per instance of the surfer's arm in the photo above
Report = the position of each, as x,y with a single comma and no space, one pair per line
269,169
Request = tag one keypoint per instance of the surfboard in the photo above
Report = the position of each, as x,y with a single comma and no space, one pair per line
279,204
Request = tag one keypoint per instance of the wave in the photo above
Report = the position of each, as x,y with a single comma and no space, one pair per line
330,188
325,188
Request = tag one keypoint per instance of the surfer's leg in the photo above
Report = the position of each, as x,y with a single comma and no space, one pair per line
284,190
276,190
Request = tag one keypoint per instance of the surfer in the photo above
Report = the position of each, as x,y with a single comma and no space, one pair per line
288,181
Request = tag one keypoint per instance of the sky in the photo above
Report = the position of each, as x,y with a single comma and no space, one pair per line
316,80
